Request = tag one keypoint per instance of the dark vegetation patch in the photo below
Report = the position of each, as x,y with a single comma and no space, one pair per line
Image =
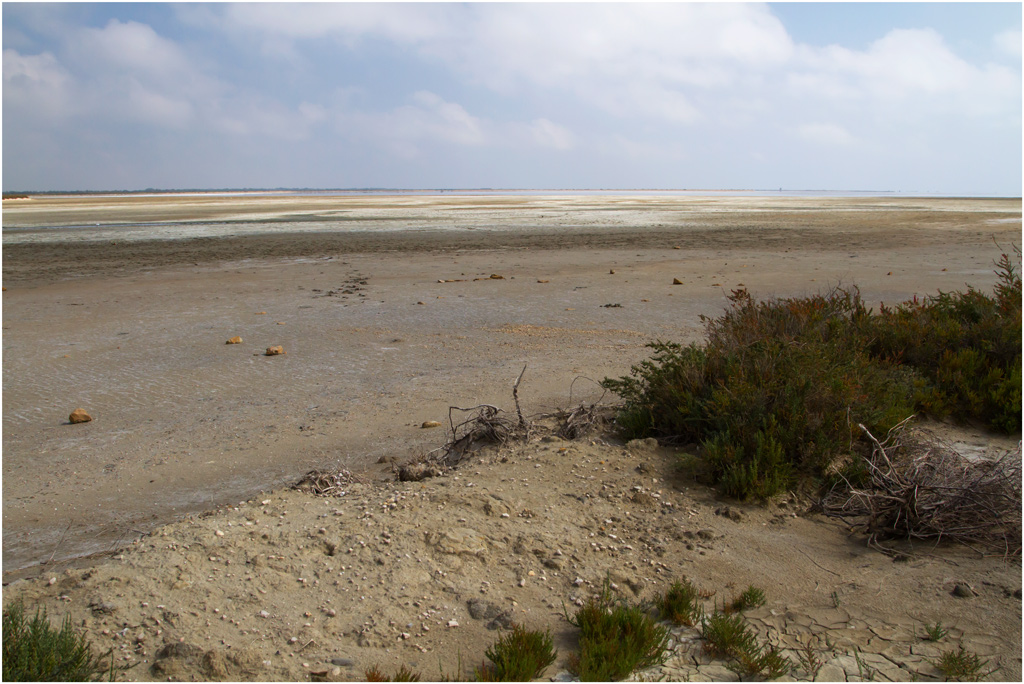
777,393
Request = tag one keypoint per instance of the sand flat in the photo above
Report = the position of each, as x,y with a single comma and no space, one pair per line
133,330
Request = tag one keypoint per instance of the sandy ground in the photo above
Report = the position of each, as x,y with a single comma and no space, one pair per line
134,331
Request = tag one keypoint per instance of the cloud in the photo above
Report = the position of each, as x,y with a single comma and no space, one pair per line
627,59
546,133
1008,42
36,85
825,134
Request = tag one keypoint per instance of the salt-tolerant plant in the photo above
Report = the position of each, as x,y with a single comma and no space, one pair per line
615,639
962,665
518,656
36,652
777,391
934,632
728,636
752,597
680,604
809,659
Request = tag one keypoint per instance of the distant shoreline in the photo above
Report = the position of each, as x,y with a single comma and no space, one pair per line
430,192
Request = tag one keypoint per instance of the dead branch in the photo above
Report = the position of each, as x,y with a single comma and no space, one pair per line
922,489
321,483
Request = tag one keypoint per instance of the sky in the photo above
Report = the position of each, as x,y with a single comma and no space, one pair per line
902,97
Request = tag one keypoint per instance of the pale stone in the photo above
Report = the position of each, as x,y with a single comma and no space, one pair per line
430,424
79,416
274,351
234,340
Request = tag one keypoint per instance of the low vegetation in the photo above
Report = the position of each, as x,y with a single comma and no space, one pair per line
518,656
36,652
615,639
777,392
680,604
727,635
962,666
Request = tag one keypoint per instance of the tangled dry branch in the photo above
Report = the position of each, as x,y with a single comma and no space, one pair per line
321,483
922,489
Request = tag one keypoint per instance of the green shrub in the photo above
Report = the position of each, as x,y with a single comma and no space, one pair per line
934,632
35,652
518,656
961,665
965,345
679,604
728,636
752,597
778,389
615,640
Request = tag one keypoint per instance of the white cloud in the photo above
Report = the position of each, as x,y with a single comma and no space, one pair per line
37,85
825,134
546,133
132,47
627,59
1008,42
428,120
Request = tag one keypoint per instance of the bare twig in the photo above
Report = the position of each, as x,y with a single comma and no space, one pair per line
922,489
59,542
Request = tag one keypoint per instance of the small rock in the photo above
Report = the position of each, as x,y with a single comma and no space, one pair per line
730,513
234,340
677,281
495,276
453,623
415,472
964,590
343,662
503,621
264,614
79,416
430,424
274,351
1017,594
543,281
480,609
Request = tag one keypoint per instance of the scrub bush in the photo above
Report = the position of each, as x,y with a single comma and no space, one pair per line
780,386
615,640
36,652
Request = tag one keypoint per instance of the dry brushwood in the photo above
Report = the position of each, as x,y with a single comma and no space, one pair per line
921,489
320,483
486,425
582,419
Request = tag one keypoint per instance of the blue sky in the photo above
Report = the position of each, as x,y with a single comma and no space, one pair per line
908,97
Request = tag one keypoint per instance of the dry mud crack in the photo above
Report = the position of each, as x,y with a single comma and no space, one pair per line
293,586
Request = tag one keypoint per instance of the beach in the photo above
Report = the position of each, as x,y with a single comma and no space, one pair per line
391,310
